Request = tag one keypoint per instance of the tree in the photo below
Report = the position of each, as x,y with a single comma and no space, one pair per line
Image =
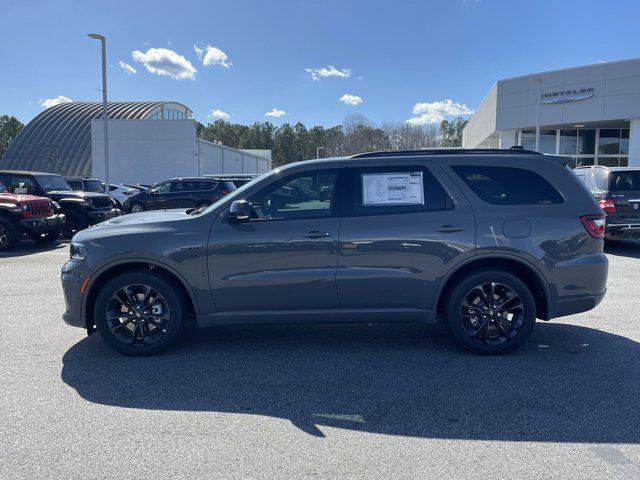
9,128
451,132
403,136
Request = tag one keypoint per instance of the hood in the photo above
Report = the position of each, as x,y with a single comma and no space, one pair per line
17,198
157,220
57,194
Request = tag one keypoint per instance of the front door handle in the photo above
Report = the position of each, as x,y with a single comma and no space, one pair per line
317,234
450,229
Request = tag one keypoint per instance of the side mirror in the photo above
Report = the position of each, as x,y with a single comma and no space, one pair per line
239,211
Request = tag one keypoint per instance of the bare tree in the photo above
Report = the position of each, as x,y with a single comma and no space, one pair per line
403,136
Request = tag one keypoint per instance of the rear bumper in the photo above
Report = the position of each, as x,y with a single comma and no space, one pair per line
623,230
572,306
42,225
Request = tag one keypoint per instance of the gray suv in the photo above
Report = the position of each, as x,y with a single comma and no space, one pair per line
485,240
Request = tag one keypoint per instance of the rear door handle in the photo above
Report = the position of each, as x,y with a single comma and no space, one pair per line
317,234
450,229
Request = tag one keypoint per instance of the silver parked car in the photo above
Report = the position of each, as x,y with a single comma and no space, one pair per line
484,240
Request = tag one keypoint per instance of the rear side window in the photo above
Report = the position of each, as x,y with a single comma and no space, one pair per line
624,181
395,190
507,185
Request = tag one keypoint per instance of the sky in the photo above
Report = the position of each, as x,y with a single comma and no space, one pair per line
300,60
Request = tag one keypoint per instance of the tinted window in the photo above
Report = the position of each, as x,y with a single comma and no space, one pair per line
508,186
624,181
191,186
93,186
2,189
393,186
302,195
75,184
162,188
50,183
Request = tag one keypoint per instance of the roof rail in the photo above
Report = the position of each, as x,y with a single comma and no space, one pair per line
448,151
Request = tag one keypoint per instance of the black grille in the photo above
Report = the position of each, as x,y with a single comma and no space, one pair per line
100,202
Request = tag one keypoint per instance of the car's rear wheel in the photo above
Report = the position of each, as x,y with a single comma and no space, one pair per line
9,234
491,312
136,207
74,222
140,313
46,238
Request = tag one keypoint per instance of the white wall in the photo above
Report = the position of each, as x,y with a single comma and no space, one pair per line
149,151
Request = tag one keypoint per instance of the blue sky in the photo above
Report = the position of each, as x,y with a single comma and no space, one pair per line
390,58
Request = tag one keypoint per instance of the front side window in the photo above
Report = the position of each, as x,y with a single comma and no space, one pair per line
507,185
301,195
162,188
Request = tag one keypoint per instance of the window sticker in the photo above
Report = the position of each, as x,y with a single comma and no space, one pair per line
392,188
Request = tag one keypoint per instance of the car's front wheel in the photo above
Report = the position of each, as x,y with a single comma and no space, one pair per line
491,312
46,238
136,207
9,233
75,221
140,313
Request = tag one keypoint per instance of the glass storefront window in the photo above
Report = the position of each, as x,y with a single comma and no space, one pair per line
624,141
568,142
584,161
609,143
608,161
528,139
624,161
586,142
547,140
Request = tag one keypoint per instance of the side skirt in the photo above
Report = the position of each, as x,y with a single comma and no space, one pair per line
330,315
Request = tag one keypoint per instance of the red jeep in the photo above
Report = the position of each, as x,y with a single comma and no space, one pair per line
38,217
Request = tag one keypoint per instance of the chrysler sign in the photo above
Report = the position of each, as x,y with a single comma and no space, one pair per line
566,96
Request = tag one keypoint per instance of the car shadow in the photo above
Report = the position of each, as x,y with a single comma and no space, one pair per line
29,247
623,248
567,384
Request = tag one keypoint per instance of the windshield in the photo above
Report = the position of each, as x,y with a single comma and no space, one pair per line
93,186
238,194
2,188
52,182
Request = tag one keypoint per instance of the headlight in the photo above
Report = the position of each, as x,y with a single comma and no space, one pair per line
77,251
25,207
55,205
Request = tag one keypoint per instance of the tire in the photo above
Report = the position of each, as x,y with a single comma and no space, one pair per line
74,222
9,234
136,207
46,238
140,331
497,330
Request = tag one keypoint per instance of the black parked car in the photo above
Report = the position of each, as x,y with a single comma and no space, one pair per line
486,240
81,209
179,193
617,190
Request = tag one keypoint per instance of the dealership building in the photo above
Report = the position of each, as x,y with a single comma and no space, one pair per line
148,142
589,113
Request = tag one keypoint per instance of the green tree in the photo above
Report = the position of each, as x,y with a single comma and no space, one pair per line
451,132
9,128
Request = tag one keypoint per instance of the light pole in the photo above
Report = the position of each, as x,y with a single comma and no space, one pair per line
318,151
538,82
103,44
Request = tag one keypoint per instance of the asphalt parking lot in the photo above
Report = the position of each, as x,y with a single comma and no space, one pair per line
316,401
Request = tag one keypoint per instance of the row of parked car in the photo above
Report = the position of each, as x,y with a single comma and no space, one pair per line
46,206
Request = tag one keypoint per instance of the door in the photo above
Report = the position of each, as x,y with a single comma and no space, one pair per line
285,256
402,232
157,196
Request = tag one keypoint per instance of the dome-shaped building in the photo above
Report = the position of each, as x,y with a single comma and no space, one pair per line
58,140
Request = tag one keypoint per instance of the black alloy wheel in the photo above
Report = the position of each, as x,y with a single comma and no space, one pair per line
140,312
490,312
9,234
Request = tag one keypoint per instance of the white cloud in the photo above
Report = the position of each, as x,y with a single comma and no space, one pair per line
217,113
165,62
275,113
435,112
127,68
328,71
349,99
52,102
212,56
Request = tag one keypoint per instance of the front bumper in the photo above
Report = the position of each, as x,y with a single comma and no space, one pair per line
74,274
42,225
97,216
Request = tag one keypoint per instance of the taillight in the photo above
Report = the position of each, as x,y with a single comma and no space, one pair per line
594,224
225,192
607,205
